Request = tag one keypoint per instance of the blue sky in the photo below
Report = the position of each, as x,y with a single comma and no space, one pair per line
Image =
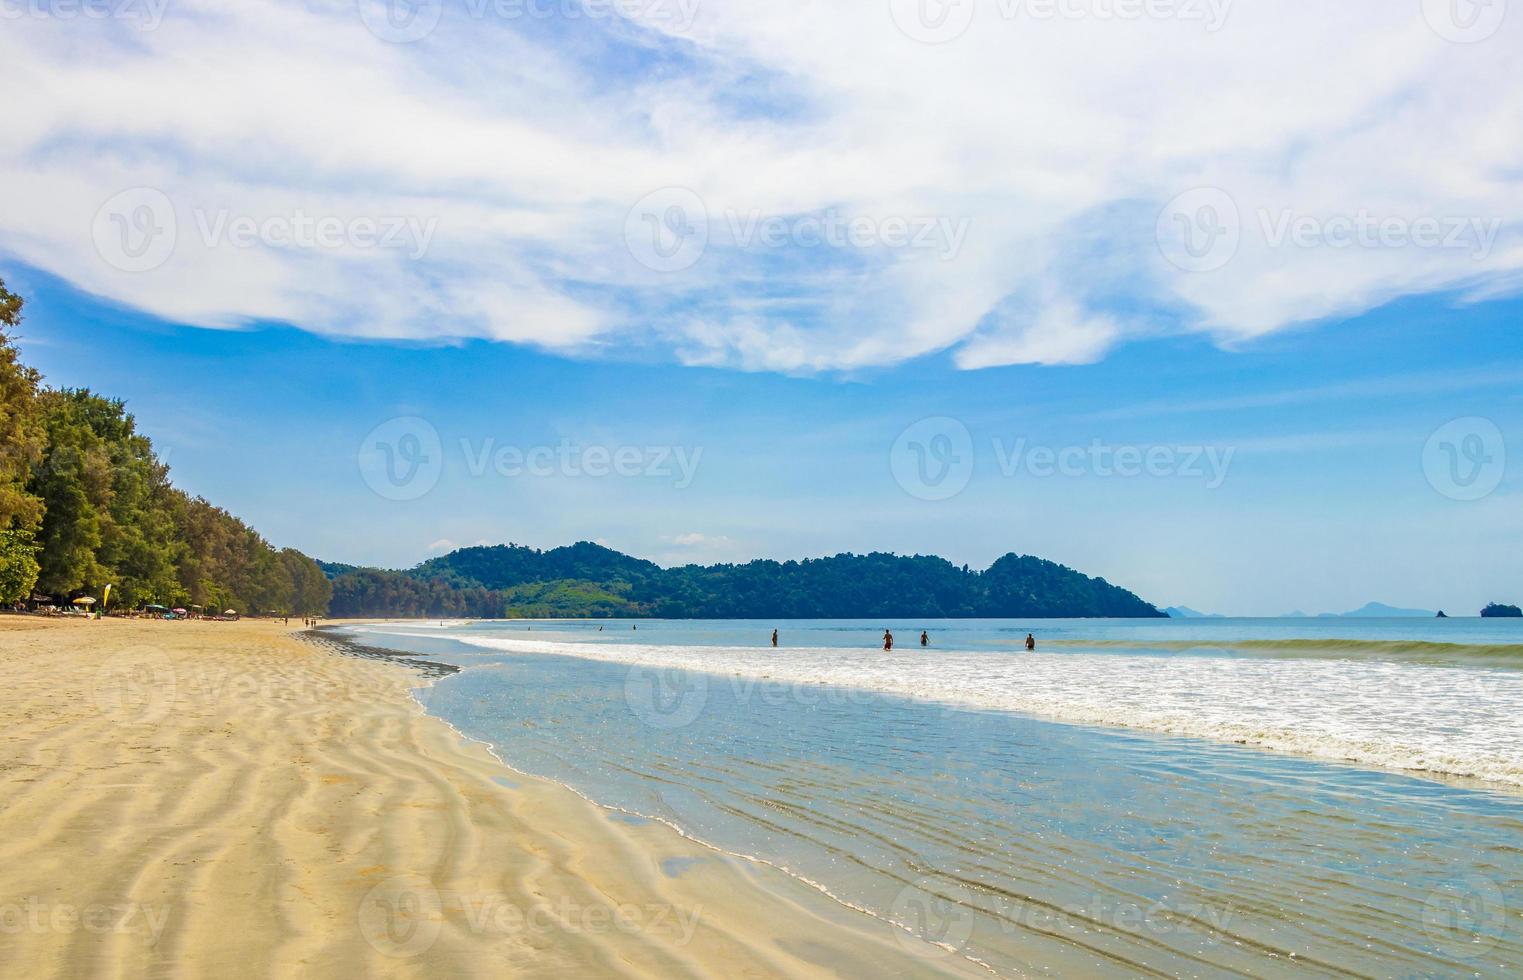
1324,504
942,293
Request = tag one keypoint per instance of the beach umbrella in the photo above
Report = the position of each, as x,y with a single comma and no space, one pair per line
177,610
84,600
154,605
229,612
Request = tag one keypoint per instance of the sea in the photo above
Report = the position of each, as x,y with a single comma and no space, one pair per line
1204,797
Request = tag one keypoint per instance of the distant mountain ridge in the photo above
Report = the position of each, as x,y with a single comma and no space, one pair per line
586,580
1185,612
1379,610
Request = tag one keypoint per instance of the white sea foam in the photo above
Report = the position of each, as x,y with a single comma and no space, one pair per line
1463,721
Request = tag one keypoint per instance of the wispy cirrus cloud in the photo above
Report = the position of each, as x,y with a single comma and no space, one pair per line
788,186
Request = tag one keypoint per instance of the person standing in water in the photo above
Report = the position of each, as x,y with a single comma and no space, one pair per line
1030,643
774,638
925,638
888,640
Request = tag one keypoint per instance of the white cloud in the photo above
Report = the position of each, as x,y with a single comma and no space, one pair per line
1053,145
694,539
443,544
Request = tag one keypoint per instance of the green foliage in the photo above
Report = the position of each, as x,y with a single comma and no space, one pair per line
566,599
75,470
587,580
1497,610
374,592
74,484
18,565
21,432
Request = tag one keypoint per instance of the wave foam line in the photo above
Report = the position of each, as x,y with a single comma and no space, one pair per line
1458,721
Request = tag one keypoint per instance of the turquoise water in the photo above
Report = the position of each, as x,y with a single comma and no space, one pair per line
1026,843
993,634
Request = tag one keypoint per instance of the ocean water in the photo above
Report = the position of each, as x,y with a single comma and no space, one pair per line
1202,798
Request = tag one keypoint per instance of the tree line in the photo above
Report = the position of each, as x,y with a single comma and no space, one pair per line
85,502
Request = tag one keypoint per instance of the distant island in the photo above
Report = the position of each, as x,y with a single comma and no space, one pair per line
587,580
1497,610
1185,612
1379,610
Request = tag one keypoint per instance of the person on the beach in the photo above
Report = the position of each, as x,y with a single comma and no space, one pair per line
888,640
925,638
1030,643
774,638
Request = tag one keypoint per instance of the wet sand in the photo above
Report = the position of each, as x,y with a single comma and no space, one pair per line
224,799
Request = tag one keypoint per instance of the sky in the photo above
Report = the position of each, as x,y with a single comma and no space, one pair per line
1217,300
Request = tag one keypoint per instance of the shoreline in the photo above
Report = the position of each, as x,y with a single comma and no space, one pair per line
1373,751
347,647
232,799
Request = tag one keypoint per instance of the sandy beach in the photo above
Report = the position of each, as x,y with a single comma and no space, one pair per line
225,799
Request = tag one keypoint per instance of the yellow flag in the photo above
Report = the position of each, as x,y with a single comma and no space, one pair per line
105,598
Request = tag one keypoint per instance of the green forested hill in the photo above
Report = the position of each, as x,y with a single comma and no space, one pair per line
587,580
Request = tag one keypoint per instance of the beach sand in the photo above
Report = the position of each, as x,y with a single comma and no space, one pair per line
225,800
